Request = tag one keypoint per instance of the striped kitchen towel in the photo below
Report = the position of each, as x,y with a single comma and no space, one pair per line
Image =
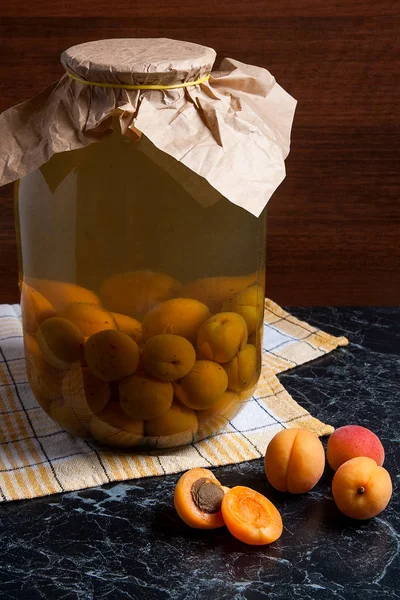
38,458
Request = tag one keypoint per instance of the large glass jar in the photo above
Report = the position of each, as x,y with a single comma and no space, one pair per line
142,296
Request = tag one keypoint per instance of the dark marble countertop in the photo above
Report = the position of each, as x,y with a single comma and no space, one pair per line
122,541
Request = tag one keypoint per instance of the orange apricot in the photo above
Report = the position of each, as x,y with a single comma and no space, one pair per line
203,386
135,292
61,342
197,499
128,325
60,293
112,427
294,461
143,397
90,318
175,427
361,489
221,337
84,393
227,406
35,308
168,357
250,516
65,416
213,291
248,303
111,355
44,379
241,370
353,440
179,316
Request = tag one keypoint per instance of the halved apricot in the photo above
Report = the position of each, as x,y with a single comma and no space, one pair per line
250,516
197,499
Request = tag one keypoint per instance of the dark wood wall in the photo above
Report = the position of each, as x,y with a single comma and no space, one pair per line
334,224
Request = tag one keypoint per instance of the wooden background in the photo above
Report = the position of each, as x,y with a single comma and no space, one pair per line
334,224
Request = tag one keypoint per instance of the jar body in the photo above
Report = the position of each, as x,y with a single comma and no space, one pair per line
142,293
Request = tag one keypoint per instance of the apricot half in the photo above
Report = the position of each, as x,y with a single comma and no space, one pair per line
221,337
168,357
294,461
353,440
197,498
111,355
90,318
35,308
214,290
135,292
180,316
361,488
203,386
61,342
143,397
60,293
241,370
248,303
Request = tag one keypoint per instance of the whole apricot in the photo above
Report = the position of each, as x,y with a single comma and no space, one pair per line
112,427
143,397
90,318
35,308
60,293
221,337
213,291
248,303
227,406
294,461
61,342
178,425
241,370
179,316
84,393
168,357
111,355
44,379
128,325
65,416
361,488
135,292
203,386
353,440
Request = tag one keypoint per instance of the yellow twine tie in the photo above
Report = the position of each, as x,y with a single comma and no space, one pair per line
123,86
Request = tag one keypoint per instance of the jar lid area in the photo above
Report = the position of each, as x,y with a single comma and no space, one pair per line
139,61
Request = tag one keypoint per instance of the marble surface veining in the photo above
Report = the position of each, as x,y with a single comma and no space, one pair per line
124,541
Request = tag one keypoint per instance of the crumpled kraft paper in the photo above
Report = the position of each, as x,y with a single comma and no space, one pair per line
233,130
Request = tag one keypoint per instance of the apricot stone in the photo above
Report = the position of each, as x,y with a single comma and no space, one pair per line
135,292
179,316
84,393
294,461
112,427
250,305
213,291
90,318
241,370
60,293
361,488
353,440
203,386
111,355
221,337
168,357
35,308
61,342
142,397
128,325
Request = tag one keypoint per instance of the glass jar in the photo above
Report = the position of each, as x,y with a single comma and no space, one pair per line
142,296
